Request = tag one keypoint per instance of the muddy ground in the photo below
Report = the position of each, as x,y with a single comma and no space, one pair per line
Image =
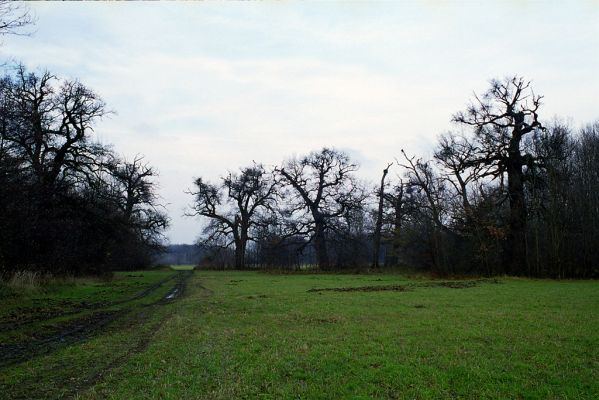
409,286
64,308
97,317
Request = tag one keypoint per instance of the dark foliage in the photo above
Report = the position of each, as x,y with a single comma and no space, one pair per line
66,203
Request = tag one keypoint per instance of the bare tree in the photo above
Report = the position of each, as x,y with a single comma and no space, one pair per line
233,207
67,210
454,153
585,198
135,196
379,219
422,178
14,17
395,199
428,194
501,117
324,188
47,126
50,125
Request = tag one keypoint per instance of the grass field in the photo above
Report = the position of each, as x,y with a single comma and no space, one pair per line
230,335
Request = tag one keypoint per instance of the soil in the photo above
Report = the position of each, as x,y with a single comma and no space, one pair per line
380,288
408,287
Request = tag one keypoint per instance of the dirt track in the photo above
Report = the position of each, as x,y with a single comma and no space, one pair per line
81,329
7,324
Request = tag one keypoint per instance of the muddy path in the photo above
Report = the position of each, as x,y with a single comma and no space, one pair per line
81,329
179,288
11,322
144,340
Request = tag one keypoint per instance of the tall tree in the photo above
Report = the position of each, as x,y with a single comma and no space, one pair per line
47,127
585,197
501,118
395,201
424,179
323,188
50,125
454,154
134,194
428,194
61,209
379,219
233,207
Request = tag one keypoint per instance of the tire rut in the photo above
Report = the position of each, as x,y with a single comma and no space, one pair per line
175,293
10,325
82,329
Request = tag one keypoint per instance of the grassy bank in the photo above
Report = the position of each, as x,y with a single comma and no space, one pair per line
252,335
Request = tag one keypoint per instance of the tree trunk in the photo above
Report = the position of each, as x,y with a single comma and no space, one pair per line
396,201
397,227
240,254
379,222
515,262
320,245
241,240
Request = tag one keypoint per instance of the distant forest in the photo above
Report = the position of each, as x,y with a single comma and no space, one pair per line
506,192
181,254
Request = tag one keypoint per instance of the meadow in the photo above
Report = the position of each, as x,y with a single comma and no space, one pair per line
255,335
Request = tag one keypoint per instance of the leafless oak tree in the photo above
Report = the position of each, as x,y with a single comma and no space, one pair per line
501,118
379,219
395,200
233,207
50,124
324,188
134,192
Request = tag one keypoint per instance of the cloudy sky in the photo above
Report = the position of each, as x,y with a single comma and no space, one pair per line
201,88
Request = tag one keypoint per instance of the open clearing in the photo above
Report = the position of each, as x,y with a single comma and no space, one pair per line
228,335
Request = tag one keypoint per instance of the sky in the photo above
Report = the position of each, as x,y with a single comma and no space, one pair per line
201,88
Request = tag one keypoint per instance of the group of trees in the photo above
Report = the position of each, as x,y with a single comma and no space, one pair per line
505,194
68,203
312,201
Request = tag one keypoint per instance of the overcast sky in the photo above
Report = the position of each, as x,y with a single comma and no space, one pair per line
201,88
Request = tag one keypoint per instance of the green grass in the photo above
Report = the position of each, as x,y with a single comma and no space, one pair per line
254,335
77,291
30,312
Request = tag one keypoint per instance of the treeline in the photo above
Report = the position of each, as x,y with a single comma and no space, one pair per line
67,202
180,254
505,194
